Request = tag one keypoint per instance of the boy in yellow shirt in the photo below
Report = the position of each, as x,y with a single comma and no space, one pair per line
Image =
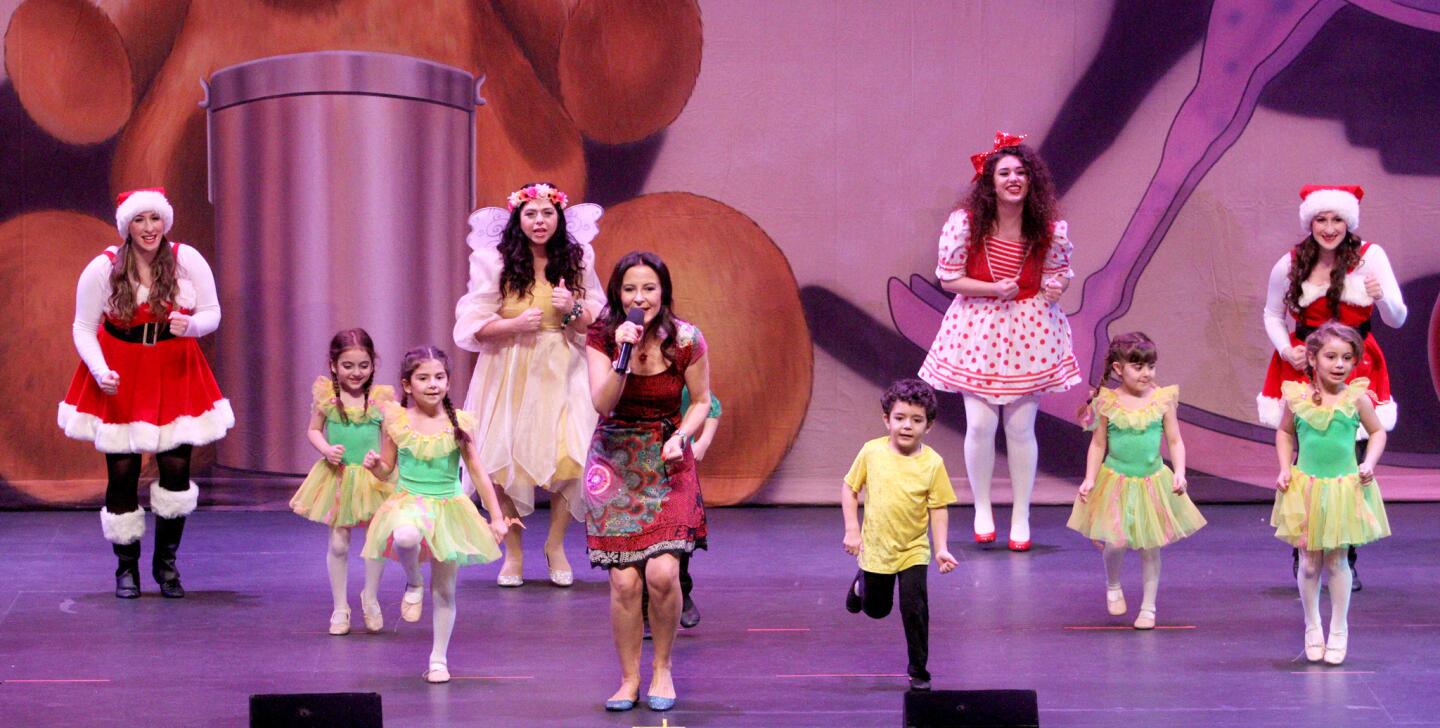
906,487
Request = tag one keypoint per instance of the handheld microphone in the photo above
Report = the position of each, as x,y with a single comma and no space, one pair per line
637,317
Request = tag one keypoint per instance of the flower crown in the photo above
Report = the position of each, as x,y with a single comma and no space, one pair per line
535,192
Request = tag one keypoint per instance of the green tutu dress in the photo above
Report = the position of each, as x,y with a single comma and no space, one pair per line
1325,506
1133,502
428,497
347,494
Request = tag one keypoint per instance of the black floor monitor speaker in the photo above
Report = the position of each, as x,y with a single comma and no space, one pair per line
313,710
971,709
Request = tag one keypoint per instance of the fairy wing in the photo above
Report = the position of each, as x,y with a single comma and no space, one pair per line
581,221
486,226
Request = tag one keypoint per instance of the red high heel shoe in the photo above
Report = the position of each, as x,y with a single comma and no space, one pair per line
1019,545
985,537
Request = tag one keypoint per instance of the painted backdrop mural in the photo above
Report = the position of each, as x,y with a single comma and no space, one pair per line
794,161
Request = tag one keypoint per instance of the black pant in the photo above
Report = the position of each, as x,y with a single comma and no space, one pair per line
122,489
877,594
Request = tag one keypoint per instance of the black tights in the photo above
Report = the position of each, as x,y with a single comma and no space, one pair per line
122,492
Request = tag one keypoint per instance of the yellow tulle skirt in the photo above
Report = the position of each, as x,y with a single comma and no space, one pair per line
1327,513
451,529
1137,513
340,496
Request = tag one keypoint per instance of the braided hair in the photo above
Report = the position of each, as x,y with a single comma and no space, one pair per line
1130,348
412,361
342,342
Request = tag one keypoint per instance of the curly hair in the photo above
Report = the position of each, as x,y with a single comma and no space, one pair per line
163,281
914,392
565,258
1037,219
663,325
1303,260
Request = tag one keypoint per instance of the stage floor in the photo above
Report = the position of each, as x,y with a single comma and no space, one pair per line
775,648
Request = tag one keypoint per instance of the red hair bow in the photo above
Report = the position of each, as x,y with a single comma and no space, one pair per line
1002,140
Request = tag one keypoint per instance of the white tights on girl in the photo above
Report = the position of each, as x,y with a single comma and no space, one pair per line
442,590
1149,573
1308,579
982,419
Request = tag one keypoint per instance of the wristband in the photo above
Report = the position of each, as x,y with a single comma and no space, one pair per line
575,312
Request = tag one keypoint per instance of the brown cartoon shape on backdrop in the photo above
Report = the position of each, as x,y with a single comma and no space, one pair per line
38,295
615,70
735,285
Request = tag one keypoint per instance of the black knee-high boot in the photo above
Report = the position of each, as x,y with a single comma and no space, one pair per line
171,508
124,531
127,572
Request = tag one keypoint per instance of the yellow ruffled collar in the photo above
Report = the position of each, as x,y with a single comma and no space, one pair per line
1298,396
1107,404
423,446
323,393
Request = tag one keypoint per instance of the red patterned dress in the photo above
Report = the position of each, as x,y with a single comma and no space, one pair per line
999,350
638,505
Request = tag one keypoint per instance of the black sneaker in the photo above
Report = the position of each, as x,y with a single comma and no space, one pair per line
919,685
689,614
852,596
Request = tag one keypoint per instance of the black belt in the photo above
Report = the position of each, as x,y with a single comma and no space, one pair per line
1303,332
148,334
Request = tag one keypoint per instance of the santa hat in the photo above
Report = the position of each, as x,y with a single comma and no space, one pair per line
132,203
1343,200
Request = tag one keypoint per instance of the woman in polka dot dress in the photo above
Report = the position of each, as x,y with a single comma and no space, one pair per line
1004,339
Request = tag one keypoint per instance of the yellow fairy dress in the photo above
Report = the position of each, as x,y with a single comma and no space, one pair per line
1325,506
1133,502
530,393
346,494
429,498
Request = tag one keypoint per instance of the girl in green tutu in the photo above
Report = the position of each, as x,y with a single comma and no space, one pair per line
1326,502
340,491
429,516
1129,499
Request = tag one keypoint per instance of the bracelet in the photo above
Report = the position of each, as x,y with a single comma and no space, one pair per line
575,312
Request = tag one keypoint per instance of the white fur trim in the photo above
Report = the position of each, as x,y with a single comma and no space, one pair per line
1353,292
173,504
143,436
146,201
1338,201
1387,412
1270,410
124,528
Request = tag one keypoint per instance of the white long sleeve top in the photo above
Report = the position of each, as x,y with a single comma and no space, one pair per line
1373,262
195,292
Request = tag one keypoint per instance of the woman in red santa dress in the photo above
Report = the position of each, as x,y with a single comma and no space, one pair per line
1332,275
143,386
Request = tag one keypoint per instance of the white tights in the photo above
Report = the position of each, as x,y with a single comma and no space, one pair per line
982,419
442,589
1149,572
337,563
1308,579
